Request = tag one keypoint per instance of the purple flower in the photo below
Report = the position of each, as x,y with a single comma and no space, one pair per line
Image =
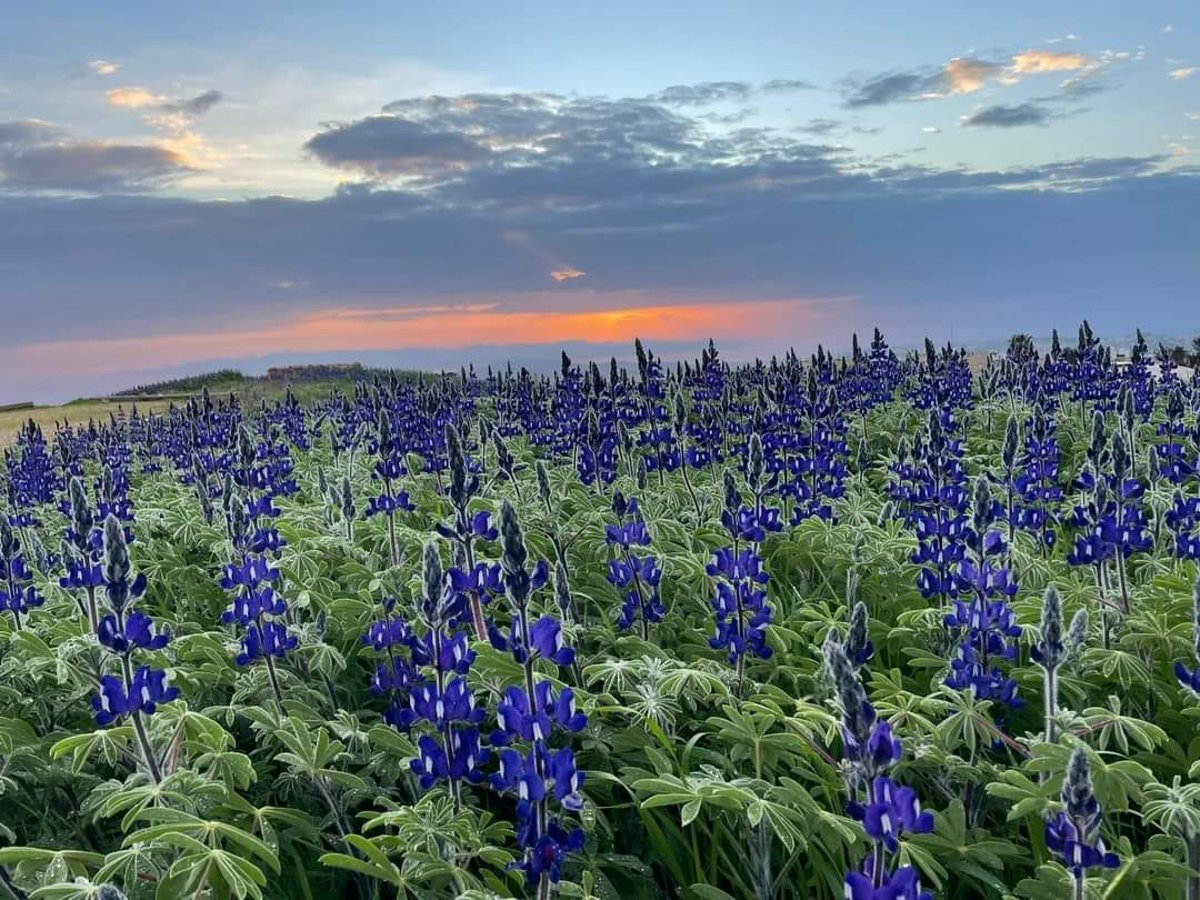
892,811
139,632
902,884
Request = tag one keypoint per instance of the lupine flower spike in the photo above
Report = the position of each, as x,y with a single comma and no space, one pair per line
1053,649
886,810
136,692
1074,833
528,717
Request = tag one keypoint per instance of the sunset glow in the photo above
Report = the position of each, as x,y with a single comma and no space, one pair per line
347,330
389,181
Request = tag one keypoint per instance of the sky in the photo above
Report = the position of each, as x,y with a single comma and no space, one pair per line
188,186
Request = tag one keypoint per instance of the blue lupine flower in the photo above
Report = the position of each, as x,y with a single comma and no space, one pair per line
1190,678
892,811
138,632
531,713
903,883
551,849
886,810
434,682
638,577
1074,833
17,592
264,640
136,692
257,606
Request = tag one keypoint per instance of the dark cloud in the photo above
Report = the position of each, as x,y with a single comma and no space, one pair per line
733,118
389,145
702,94
23,132
194,106
904,239
888,88
551,150
707,93
786,85
1000,116
34,156
819,126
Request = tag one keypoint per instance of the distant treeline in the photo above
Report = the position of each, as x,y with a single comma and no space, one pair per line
220,378
275,377
318,372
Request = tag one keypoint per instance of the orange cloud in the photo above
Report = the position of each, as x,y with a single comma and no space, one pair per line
1036,62
560,270
965,75
443,327
103,67
132,97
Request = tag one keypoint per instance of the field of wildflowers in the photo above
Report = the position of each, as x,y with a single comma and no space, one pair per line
878,627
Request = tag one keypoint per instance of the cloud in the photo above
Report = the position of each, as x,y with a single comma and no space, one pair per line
561,275
819,126
132,98
103,67
38,156
505,146
931,129
1167,29
23,132
707,93
1037,62
786,85
1008,116
702,94
194,106
181,109
967,75
1182,73
389,145
91,166
888,88
1194,116
961,75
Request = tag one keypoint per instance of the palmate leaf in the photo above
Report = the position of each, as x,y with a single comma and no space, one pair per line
201,869
111,743
40,859
1027,796
187,831
1126,668
966,854
1174,808
181,790
1114,730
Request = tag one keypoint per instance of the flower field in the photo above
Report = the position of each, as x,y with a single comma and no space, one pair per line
881,627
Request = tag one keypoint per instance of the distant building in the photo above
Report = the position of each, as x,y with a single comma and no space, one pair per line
1122,361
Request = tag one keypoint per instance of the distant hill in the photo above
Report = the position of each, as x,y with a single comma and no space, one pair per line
222,379
306,378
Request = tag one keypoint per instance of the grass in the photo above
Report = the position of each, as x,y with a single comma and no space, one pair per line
76,413
251,392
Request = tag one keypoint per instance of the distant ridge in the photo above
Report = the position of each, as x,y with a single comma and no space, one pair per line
226,380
